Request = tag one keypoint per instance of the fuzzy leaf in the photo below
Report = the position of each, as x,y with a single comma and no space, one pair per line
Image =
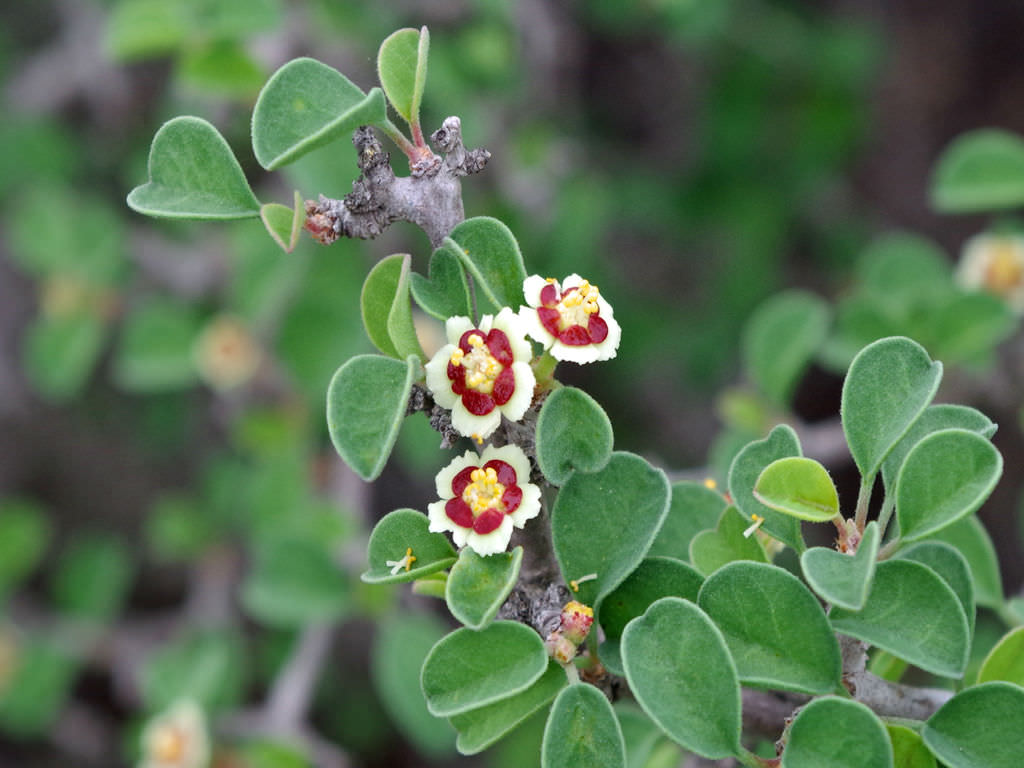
387,313
1006,660
295,581
207,666
305,105
59,353
477,585
92,577
603,523
908,749
445,293
912,613
582,730
816,740
982,170
980,727
193,175
24,534
491,253
402,69
743,473
839,578
889,384
951,566
945,477
284,224
694,508
710,550
799,487
395,533
468,669
155,351
573,434
969,536
680,671
366,403
38,685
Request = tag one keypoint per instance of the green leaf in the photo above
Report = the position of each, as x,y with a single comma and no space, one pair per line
223,68
969,536
468,669
207,666
640,734
59,353
284,224
1006,660
582,730
951,566
234,18
968,327
155,351
603,523
491,253
400,645
295,581
743,473
480,728
680,671
932,419
92,577
839,578
366,403
908,749
889,384
446,292
306,105
478,585
694,508
710,550
138,29
780,339
775,629
179,529
39,684
912,613
799,487
902,268
982,170
387,314
573,434
402,68
193,175
837,733
24,535
945,477
654,578
393,535
980,727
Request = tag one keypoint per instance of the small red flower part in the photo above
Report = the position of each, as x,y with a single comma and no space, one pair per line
484,497
570,319
483,373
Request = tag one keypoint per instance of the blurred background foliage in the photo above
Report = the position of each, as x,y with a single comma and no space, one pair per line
173,521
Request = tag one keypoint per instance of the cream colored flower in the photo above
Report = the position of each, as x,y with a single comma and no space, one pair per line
572,319
994,263
176,738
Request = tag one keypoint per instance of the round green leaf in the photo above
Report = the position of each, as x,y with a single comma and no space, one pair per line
582,730
932,419
34,694
710,550
680,670
694,508
138,29
900,268
24,534
908,749
980,727
912,613
640,734
980,171
387,314
969,536
59,353
654,578
469,669
573,434
799,487
206,666
193,175
603,523
780,339
92,577
155,351
400,645
839,578
837,733
491,253
445,293
1006,660
402,68
393,535
366,403
305,105
743,473
946,561
221,67
479,728
776,631
284,224
888,385
946,476
478,585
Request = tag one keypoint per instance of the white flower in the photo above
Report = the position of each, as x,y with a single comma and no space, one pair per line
484,497
483,373
572,319
994,263
176,738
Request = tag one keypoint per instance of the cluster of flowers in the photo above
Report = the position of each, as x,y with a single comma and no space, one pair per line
484,373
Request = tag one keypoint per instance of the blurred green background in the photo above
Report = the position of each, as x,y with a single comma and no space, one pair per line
163,533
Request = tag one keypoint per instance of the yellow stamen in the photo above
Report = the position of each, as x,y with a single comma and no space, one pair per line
710,484
753,526
482,369
575,583
484,491
406,562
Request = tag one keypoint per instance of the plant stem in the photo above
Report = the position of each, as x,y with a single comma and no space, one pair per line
748,758
863,502
394,133
888,505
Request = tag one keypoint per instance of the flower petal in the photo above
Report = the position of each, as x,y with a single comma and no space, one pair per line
493,542
508,321
523,394
454,327
529,506
438,383
534,328
511,454
444,479
439,521
532,286
469,424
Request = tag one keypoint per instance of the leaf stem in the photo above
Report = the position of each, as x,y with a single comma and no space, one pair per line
863,502
888,505
748,758
394,133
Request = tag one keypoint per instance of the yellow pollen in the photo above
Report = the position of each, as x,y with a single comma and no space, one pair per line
406,562
168,744
576,308
484,492
476,438
710,484
578,607
1005,271
575,583
753,526
481,366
